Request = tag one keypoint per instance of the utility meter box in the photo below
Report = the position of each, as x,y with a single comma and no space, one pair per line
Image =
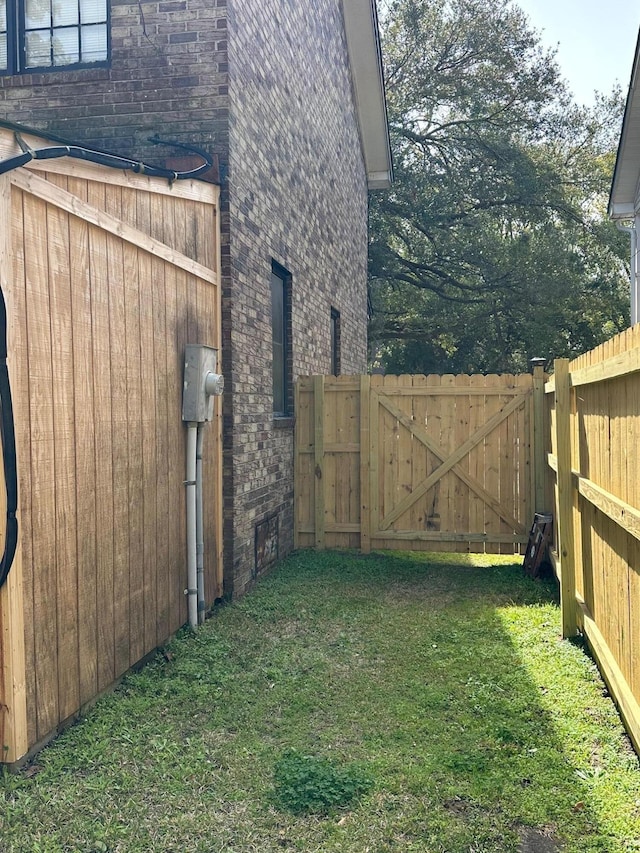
200,365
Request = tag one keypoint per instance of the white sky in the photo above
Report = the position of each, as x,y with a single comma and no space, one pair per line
595,40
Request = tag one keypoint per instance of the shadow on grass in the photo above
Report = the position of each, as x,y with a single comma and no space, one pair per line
445,681
463,736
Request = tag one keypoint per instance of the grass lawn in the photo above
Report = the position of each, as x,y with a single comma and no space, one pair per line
439,684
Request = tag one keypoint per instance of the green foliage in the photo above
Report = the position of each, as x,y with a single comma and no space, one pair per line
493,245
307,784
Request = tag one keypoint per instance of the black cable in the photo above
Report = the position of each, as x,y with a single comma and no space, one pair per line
8,437
112,161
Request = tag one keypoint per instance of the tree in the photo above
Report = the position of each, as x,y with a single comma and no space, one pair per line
493,245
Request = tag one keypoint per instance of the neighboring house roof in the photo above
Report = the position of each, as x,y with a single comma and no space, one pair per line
365,55
626,177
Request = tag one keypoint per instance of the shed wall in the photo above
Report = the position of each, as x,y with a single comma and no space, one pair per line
111,276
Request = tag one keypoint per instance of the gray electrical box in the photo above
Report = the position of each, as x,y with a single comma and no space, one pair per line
200,364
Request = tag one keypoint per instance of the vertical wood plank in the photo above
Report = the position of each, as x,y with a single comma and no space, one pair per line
433,511
417,515
461,434
148,398
365,481
476,462
103,443
120,453
161,444
565,498
176,468
43,466
13,689
404,448
505,462
85,451
332,423
524,470
318,449
18,341
447,405
64,440
375,486
135,451
389,440
178,489
492,465
539,464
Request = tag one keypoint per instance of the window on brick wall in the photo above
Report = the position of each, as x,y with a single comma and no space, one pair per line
281,340
40,35
335,342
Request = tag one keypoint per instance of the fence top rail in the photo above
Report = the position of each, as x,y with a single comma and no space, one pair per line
622,364
505,385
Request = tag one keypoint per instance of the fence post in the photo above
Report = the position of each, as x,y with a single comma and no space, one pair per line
566,545
365,482
318,451
539,463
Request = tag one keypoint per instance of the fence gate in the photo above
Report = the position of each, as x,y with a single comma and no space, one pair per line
418,462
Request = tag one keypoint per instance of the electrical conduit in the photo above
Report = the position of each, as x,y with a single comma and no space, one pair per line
190,483
199,527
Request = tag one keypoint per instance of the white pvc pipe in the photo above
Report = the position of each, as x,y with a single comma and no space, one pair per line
199,527
190,483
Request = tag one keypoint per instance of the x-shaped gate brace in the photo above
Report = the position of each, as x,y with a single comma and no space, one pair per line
451,462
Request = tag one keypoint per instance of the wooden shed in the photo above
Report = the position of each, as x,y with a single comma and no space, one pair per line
107,275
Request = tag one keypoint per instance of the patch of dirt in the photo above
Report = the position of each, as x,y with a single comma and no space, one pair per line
457,805
537,841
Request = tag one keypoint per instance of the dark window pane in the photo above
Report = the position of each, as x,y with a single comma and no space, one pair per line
335,342
280,343
277,332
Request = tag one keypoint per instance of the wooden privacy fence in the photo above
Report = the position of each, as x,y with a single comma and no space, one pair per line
416,462
107,276
594,446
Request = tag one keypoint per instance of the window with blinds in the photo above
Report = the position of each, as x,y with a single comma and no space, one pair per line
36,35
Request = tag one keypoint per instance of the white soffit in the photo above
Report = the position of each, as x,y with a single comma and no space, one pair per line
365,57
626,177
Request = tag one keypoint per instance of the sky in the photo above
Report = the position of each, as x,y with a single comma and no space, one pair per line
595,40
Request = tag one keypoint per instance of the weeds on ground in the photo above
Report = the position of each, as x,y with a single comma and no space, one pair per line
435,690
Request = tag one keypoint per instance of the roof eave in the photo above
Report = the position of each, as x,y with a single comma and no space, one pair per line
626,174
365,57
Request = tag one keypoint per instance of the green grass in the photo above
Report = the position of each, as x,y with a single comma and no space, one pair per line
441,681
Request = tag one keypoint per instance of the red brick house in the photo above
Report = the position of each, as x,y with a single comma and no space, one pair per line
290,98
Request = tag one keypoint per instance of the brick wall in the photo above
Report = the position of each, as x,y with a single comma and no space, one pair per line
168,75
265,84
297,196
